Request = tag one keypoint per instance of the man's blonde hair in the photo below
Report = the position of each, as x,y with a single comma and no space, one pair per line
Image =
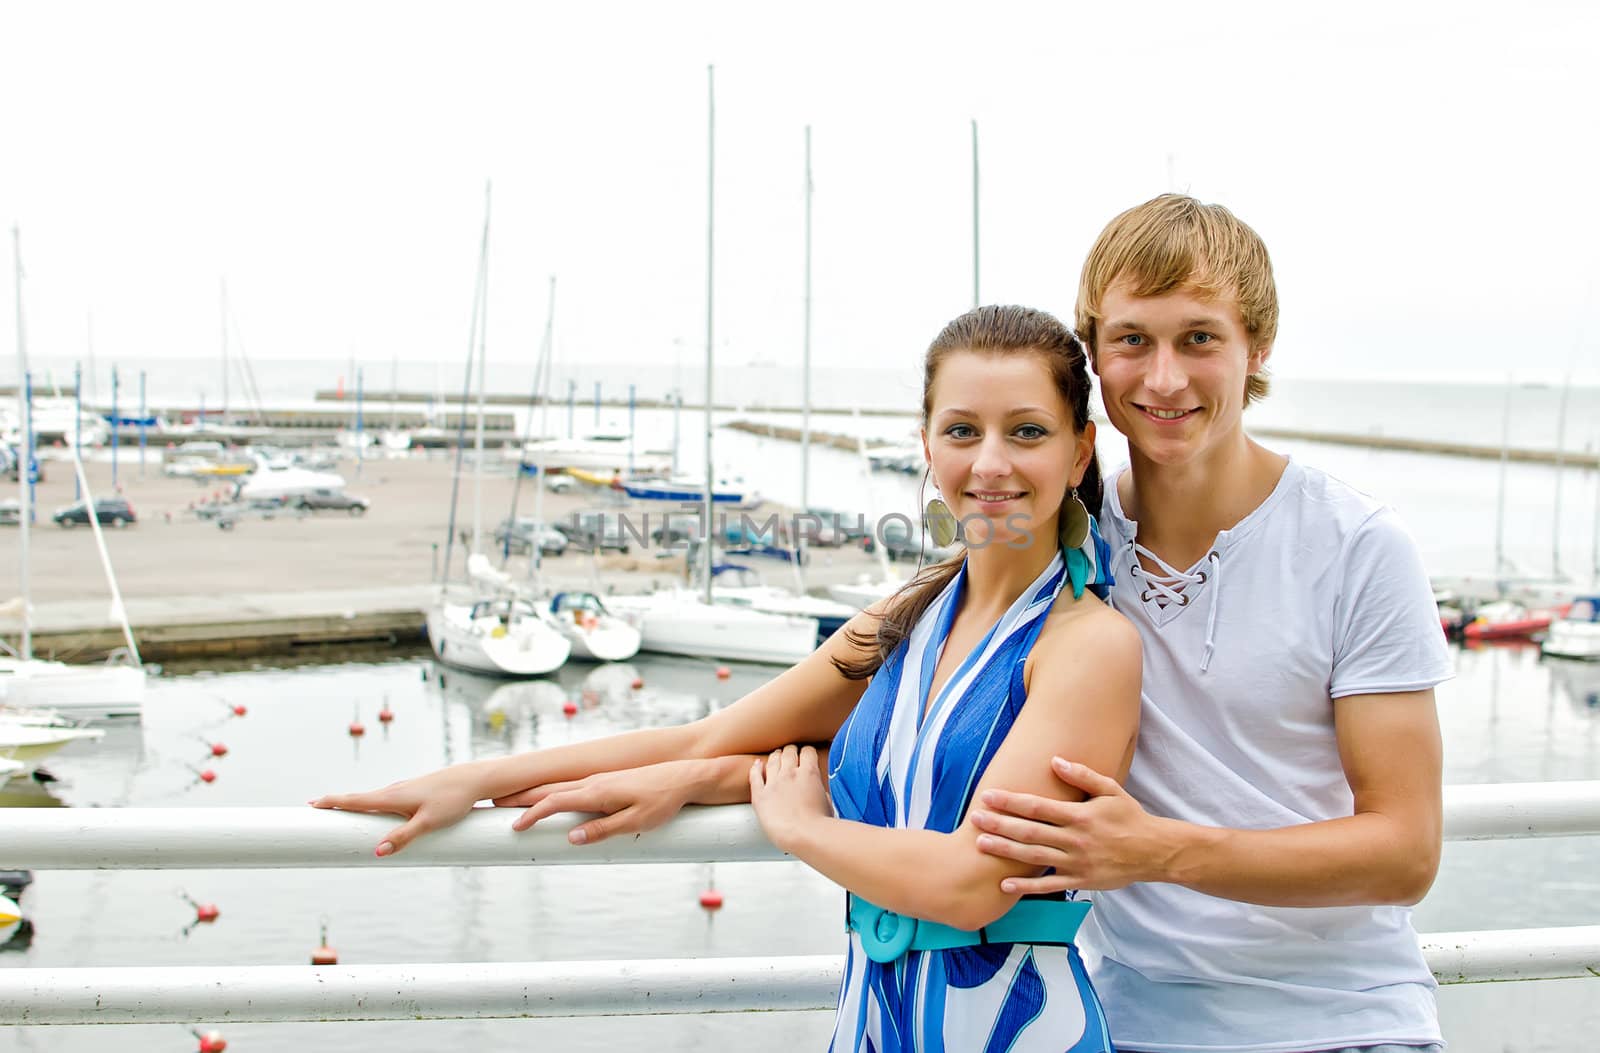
1172,241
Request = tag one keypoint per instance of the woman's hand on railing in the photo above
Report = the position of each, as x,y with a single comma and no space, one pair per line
428,802
633,800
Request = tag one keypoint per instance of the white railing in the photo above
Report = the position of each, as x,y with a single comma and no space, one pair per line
160,838
300,837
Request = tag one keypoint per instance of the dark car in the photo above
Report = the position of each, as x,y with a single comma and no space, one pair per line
898,544
10,465
10,512
552,542
595,531
114,510
331,500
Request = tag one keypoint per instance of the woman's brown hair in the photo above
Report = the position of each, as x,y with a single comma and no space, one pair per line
990,330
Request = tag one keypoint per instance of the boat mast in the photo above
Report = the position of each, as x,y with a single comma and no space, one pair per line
483,326
1500,500
25,452
711,202
805,355
223,303
1561,445
975,300
541,387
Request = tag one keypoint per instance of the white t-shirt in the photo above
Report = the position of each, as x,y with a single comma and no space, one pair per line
1317,594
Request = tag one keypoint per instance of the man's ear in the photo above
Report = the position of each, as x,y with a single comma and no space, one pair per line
1258,358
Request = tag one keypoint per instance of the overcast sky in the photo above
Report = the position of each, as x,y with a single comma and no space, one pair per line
1423,174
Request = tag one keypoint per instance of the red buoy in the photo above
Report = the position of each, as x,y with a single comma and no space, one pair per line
324,955
238,709
357,729
206,912
569,707
711,899
385,714
723,672
218,750
207,775
212,1042
638,682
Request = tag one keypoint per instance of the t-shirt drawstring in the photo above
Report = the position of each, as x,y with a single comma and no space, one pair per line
1168,587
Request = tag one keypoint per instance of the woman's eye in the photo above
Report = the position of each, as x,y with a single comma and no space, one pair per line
1031,431
960,431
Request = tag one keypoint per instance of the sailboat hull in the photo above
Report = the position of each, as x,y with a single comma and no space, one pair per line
82,692
526,647
678,623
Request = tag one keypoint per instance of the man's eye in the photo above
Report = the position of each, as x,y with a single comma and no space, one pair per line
1201,338
1133,340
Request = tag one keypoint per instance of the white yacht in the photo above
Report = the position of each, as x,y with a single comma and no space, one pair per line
1575,634
679,621
594,632
80,692
498,630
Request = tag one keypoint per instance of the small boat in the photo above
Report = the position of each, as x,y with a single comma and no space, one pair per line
679,621
28,744
1506,620
681,489
865,592
1575,634
501,631
80,692
741,587
593,631
599,454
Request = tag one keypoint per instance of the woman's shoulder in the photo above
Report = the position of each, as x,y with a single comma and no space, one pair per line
1087,629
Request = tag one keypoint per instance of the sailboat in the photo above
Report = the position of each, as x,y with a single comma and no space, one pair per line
497,628
684,621
84,692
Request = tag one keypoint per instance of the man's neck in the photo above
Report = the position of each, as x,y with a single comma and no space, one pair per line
1182,508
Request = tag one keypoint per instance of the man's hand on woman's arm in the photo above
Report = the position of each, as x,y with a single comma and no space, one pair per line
1385,852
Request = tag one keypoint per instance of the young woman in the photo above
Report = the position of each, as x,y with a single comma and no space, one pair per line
973,676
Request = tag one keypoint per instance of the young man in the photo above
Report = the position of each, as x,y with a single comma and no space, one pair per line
1283,810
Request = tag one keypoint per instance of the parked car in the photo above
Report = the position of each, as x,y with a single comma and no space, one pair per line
10,459
595,531
552,542
114,510
838,528
10,512
899,545
331,500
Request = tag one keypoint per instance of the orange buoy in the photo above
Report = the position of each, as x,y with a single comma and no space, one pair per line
357,729
723,672
212,1042
638,682
324,955
385,714
711,899
569,707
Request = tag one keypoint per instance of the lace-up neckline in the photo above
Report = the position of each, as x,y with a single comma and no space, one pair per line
1170,587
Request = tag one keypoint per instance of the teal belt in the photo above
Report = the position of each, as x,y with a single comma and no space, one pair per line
886,935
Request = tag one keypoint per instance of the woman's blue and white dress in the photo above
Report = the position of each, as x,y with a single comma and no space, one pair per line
892,766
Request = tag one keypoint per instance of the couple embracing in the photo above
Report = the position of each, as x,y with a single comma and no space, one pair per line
1152,766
